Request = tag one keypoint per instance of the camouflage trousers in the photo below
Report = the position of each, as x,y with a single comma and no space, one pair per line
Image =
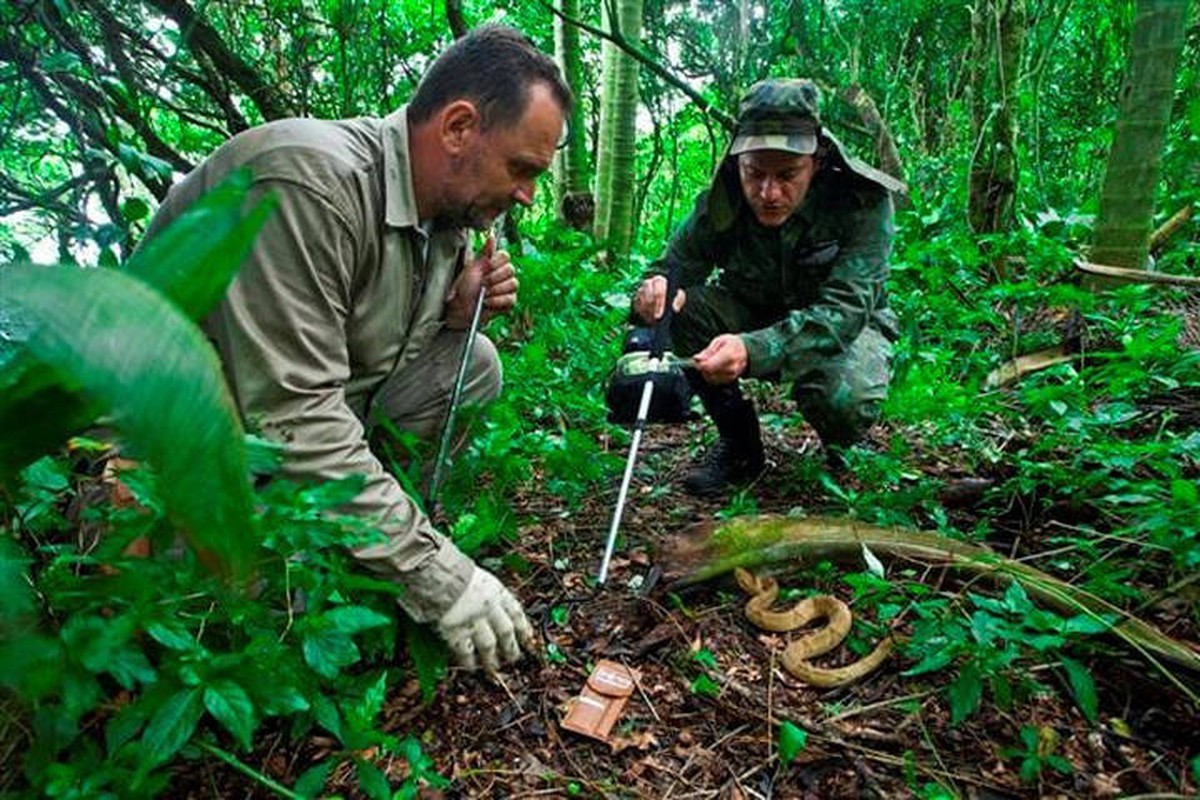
841,395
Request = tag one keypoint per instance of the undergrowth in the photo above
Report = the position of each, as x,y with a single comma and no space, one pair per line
115,667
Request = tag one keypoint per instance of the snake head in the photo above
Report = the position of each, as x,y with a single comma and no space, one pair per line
751,584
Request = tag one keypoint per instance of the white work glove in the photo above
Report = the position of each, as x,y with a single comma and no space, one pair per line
486,625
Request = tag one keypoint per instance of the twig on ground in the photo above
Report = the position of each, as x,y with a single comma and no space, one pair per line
244,768
770,701
638,683
498,678
854,712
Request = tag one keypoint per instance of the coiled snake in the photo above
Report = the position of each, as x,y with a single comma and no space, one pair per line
796,655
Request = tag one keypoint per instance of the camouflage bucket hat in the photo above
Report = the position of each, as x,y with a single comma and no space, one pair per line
779,114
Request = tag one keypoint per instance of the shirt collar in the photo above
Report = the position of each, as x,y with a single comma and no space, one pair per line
400,204
401,198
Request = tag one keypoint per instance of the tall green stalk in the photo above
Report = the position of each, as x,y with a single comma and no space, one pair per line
618,130
572,168
1135,162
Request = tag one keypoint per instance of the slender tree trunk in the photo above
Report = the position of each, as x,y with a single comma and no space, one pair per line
618,127
998,28
1125,221
572,169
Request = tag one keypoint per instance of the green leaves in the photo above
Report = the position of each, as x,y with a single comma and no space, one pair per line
231,706
171,726
326,642
965,692
792,739
1083,688
429,656
78,343
167,396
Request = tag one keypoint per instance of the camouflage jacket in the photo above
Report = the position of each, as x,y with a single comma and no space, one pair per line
816,281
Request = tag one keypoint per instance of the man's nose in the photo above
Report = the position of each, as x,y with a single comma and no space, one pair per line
770,189
523,193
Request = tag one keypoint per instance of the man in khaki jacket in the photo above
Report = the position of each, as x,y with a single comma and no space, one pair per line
355,300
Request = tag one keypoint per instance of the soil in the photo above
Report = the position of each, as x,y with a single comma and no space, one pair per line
682,737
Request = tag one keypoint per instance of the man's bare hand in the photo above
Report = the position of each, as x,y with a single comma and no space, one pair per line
650,300
493,270
724,360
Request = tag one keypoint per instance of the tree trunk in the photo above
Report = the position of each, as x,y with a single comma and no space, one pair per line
618,127
998,31
1125,221
576,206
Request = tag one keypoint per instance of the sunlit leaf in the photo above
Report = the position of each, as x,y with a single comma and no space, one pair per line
169,401
231,706
1083,688
172,725
792,739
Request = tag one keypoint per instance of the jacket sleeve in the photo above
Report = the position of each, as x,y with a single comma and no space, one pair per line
846,299
281,333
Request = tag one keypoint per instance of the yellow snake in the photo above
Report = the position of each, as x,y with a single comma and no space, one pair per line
763,592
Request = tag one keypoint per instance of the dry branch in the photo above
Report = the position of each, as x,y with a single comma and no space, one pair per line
1012,371
1160,237
1136,275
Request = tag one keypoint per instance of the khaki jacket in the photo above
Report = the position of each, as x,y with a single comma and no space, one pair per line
336,294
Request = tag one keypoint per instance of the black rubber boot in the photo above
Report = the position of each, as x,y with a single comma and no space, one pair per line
737,455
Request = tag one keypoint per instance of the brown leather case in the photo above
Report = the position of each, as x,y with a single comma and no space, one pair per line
598,705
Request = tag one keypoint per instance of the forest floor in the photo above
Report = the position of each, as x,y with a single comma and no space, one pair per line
886,736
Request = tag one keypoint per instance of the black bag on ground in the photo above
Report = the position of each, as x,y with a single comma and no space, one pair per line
671,398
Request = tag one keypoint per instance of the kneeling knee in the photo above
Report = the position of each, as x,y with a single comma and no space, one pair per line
838,420
486,377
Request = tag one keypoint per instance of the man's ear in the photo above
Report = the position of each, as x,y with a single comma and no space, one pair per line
460,121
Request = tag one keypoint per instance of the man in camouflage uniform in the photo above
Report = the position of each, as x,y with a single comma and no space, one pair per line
781,268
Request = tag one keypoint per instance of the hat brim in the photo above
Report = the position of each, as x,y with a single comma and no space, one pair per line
804,144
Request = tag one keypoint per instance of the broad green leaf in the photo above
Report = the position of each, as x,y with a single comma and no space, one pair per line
1002,691
327,651
371,704
353,619
1083,688
792,739
965,693
313,780
231,706
16,594
135,209
328,716
373,782
429,657
705,656
284,699
172,635
705,686
1087,624
932,662
171,726
193,259
1060,764
1016,600
130,667
1185,494
164,392
191,262
124,725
